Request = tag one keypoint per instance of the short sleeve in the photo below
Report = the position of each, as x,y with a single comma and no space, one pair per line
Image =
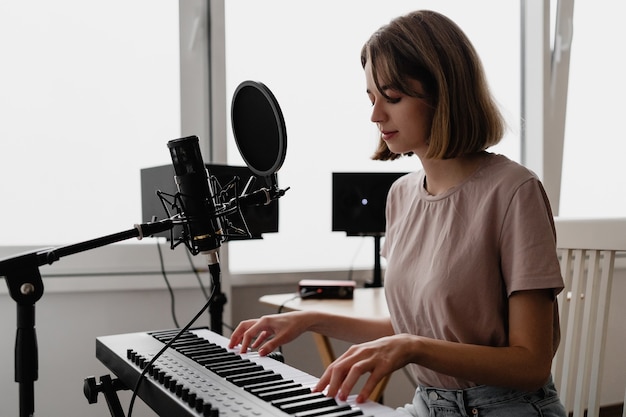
528,242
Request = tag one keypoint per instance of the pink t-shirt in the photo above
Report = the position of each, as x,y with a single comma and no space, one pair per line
455,258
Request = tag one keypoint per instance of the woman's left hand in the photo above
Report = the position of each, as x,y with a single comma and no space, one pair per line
379,358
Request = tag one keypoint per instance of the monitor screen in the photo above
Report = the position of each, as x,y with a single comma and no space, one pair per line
359,200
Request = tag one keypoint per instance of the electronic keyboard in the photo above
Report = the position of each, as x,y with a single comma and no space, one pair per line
198,375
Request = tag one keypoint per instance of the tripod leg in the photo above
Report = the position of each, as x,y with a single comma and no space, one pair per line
26,358
109,388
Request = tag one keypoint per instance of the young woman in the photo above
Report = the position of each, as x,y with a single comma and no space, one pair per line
472,270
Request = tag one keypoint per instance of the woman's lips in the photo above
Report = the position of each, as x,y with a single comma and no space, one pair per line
387,135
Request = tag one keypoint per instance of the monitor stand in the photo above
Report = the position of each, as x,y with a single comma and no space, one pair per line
378,275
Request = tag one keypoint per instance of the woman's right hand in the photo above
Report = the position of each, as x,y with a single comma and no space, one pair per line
269,332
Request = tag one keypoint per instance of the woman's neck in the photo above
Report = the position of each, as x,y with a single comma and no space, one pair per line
443,174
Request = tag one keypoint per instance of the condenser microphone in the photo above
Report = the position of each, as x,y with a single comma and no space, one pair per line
203,227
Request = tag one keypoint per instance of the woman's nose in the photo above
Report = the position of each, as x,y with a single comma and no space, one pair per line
377,113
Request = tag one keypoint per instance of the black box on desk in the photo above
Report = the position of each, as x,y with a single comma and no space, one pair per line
326,289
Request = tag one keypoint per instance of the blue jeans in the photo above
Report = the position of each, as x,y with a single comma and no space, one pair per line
484,401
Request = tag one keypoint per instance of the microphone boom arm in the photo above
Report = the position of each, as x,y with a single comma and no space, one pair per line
25,286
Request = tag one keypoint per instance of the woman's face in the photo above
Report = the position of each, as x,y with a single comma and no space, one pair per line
404,121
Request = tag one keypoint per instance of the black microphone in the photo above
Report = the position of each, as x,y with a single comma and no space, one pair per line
203,225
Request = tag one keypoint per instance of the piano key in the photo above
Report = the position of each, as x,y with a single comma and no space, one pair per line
253,379
283,385
283,393
237,370
345,413
200,349
324,411
297,398
237,364
265,385
310,404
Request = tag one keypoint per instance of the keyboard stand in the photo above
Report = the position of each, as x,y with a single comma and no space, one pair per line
108,387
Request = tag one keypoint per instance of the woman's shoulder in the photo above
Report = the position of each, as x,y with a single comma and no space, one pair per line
501,169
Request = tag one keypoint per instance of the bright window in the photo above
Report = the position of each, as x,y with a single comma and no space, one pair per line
307,53
89,95
594,172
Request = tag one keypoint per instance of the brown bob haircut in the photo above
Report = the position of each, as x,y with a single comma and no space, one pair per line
430,48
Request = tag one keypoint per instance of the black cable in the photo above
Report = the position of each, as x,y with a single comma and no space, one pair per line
202,287
160,352
195,271
169,287
280,307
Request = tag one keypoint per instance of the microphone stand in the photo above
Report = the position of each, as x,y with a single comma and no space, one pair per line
23,279
218,299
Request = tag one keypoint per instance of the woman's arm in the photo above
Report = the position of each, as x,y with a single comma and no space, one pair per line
269,332
524,364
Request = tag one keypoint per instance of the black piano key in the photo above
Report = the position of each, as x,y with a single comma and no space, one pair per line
204,350
228,365
283,393
200,350
324,411
311,404
346,413
217,358
167,335
281,386
298,398
184,342
252,374
238,370
241,381
261,385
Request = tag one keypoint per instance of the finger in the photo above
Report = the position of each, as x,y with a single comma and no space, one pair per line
236,336
271,345
247,339
368,387
337,377
347,383
262,337
322,383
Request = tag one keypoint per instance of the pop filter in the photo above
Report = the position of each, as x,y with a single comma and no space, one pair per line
259,129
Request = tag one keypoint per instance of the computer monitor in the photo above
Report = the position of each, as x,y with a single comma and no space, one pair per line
260,219
359,200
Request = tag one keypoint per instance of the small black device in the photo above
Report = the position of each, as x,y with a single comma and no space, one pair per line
326,289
